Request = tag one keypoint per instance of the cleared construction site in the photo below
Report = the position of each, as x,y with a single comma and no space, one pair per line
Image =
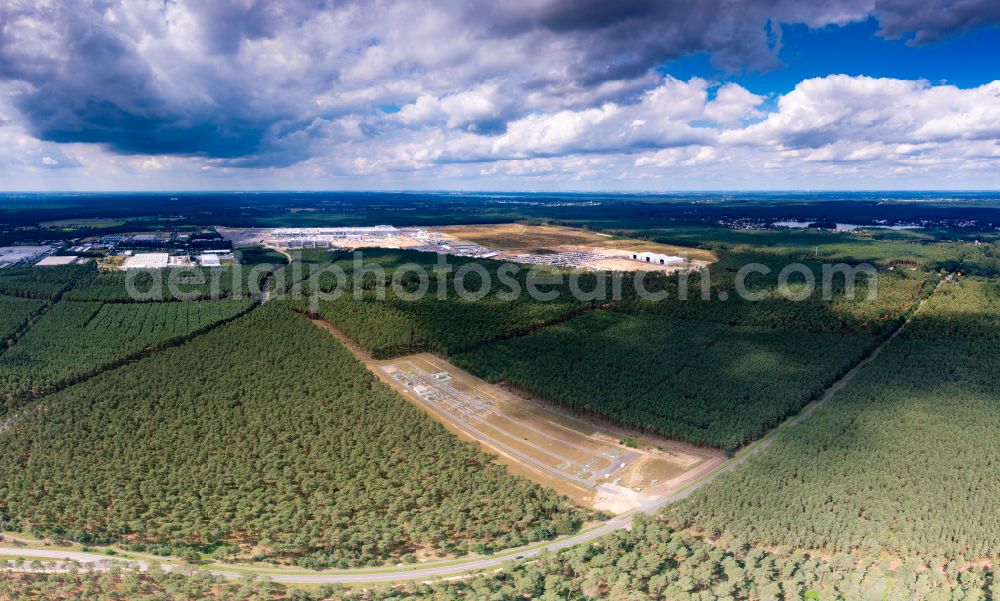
593,465
560,247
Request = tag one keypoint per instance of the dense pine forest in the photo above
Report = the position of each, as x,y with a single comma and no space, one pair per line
15,313
842,308
903,461
392,327
222,429
932,247
73,340
709,371
650,561
190,283
390,320
264,438
44,284
707,383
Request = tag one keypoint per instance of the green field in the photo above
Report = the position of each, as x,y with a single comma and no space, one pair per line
82,223
903,461
265,438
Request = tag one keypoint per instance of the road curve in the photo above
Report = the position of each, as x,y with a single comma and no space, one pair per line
401,573
423,571
446,568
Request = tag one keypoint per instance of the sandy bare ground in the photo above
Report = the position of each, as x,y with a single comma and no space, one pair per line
587,462
521,238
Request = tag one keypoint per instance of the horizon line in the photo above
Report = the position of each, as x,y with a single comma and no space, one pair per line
508,191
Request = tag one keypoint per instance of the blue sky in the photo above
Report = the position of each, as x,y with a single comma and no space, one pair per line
965,60
532,95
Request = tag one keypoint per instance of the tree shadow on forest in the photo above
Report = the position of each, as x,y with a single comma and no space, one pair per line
902,459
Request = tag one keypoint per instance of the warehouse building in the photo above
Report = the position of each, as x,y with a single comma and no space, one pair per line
209,261
14,255
656,258
328,237
56,261
147,261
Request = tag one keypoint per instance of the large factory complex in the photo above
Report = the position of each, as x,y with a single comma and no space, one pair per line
429,240
377,236
164,252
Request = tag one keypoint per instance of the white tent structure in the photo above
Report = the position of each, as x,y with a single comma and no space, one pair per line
657,259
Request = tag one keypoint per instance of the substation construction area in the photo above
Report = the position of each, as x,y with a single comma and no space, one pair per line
588,463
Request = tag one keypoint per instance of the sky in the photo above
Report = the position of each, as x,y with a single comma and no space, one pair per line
633,95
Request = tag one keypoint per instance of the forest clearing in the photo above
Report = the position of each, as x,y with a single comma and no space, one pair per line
599,466
596,466
524,238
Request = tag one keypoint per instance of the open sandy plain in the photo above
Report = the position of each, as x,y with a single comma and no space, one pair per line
580,248
518,238
591,464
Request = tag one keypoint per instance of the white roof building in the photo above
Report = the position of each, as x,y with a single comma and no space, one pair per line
11,255
656,258
53,261
302,232
147,261
209,261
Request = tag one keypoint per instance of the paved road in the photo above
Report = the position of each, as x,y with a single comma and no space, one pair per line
370,575
429,570
422,571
